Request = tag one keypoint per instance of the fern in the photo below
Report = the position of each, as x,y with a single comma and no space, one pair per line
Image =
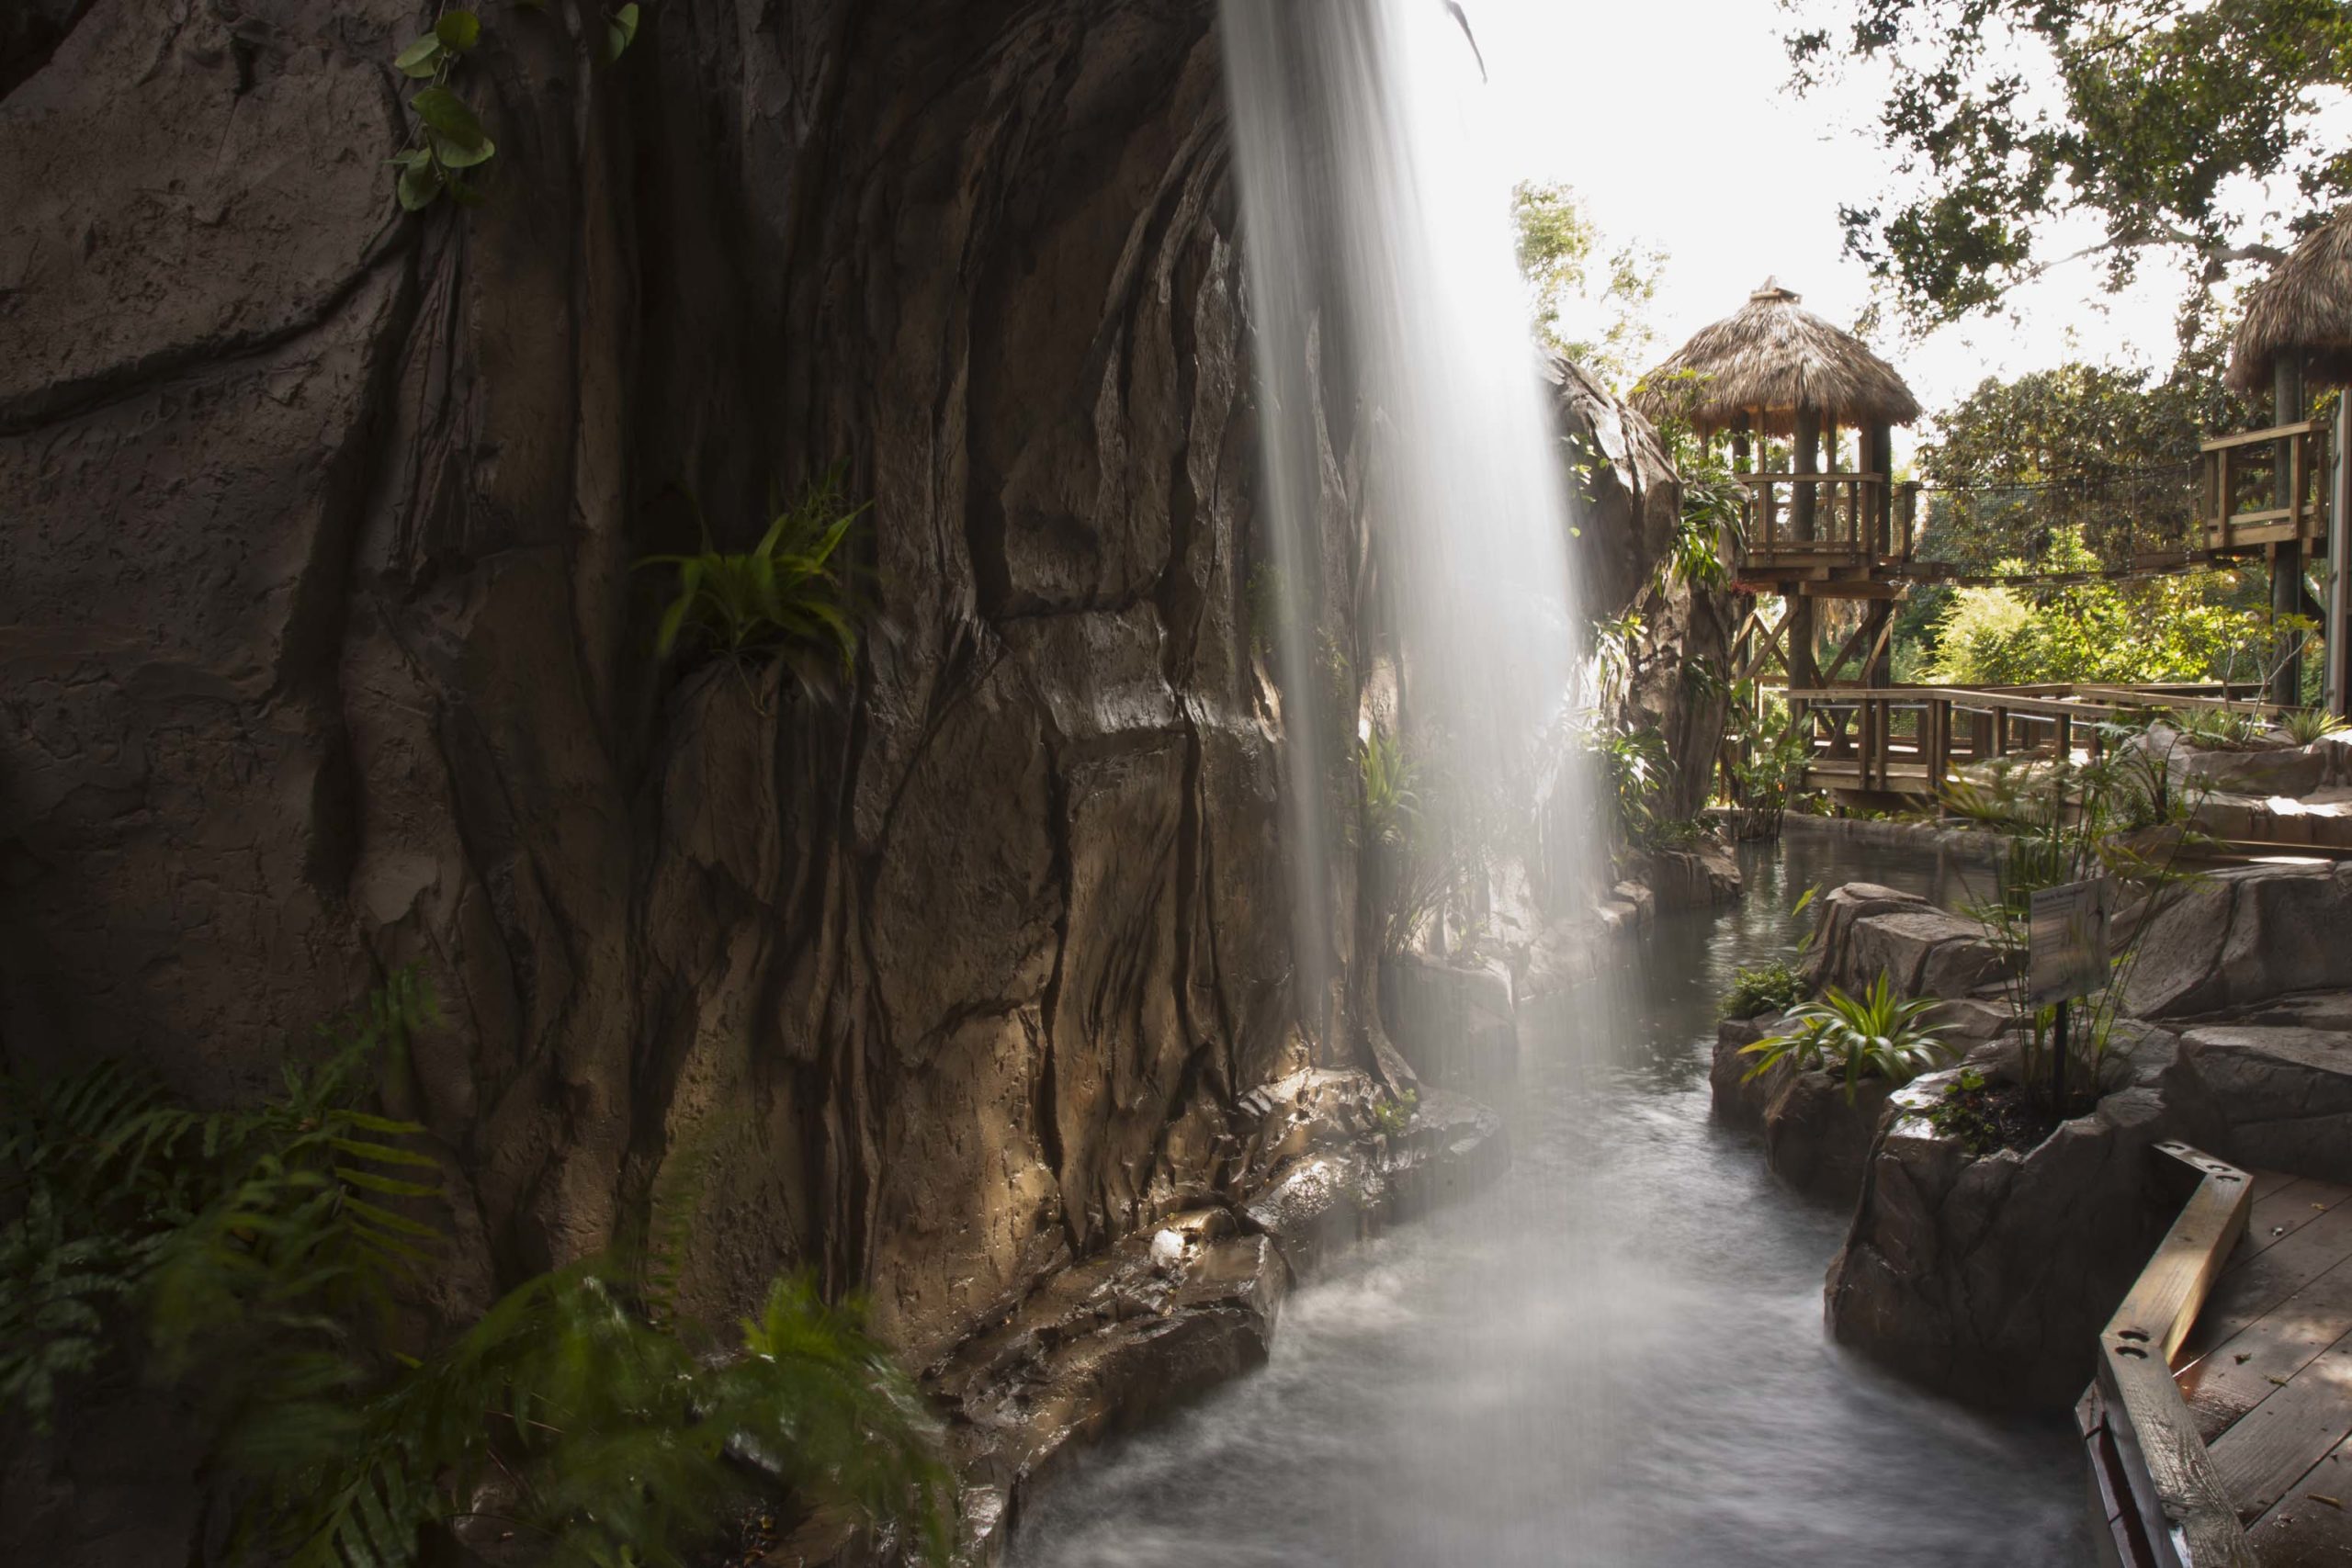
260,1248
789,594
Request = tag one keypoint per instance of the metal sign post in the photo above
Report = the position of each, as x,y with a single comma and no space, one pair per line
2066,958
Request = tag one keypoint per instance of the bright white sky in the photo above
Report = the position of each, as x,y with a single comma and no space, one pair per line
1673,119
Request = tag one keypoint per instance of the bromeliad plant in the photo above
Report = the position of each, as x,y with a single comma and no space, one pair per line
1876,1035
793,594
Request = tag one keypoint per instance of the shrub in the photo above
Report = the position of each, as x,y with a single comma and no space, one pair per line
1874,1036
1769,988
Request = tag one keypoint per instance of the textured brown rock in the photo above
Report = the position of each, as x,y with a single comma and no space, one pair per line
1456,1021
1989,1278
1627,502
323,654
2244,936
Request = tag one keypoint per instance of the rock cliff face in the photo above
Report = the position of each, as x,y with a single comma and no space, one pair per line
321,650
325,655
1628,504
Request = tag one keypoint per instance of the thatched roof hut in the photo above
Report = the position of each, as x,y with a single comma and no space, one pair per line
2303,306
1770,360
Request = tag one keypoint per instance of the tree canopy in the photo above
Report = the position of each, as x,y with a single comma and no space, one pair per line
2101,452
2155,117
1603,300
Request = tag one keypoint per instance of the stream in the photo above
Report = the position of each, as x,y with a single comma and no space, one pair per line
1614,1357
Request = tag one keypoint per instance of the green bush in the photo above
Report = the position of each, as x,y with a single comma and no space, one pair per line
1767,987
2169,628
1872,1035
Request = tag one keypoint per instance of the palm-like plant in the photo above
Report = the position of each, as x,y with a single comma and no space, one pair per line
792,594
2304,726
1876,1035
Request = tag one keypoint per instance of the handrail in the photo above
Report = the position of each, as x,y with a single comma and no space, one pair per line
1838,476
2184,1511
2033,702
2262,437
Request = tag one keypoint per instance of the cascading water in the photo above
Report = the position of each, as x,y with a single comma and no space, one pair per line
1384,296
1376,235
1614,1359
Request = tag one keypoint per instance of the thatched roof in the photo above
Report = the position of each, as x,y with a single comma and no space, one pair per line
2305,305
1770,360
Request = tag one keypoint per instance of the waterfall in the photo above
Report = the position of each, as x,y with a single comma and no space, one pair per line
1397,371
1377,239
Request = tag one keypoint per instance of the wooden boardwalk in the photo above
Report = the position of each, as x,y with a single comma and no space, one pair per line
2266,1373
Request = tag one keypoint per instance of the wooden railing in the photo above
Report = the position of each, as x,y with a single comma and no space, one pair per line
2244,501
1855,517
1907,740
2165,1504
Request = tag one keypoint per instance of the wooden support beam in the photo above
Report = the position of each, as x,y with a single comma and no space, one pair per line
2287,559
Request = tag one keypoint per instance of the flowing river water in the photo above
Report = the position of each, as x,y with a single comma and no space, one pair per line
1614,1357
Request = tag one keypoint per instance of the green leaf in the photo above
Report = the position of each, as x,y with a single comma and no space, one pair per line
464,193
457,30
453,155
420,59
620,33
444,112
369,1181
384,1154
419,185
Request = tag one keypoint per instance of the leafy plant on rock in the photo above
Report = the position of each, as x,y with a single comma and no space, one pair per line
792,594
2120,817
2306,725
1876,1035
448,147
449,142
1774,986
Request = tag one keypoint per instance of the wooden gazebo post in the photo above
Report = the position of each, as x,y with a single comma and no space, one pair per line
2287,556
2297,329
1804,458
1878,458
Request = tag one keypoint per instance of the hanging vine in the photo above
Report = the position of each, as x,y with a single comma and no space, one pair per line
448,147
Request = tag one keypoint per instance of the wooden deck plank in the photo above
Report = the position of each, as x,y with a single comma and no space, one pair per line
2252,1285
2266,1182
2285,1210
2268,1449
2310,1526
2251,1365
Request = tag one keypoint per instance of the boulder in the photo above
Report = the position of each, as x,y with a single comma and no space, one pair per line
1989,1278
1109,1344
1700,877
1864,930
1454,1019
1740,1100
2269,1096
2278,769
1335,1191
1816,1138
2244,936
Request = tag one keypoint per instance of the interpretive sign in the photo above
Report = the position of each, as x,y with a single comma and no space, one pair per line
2067,942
